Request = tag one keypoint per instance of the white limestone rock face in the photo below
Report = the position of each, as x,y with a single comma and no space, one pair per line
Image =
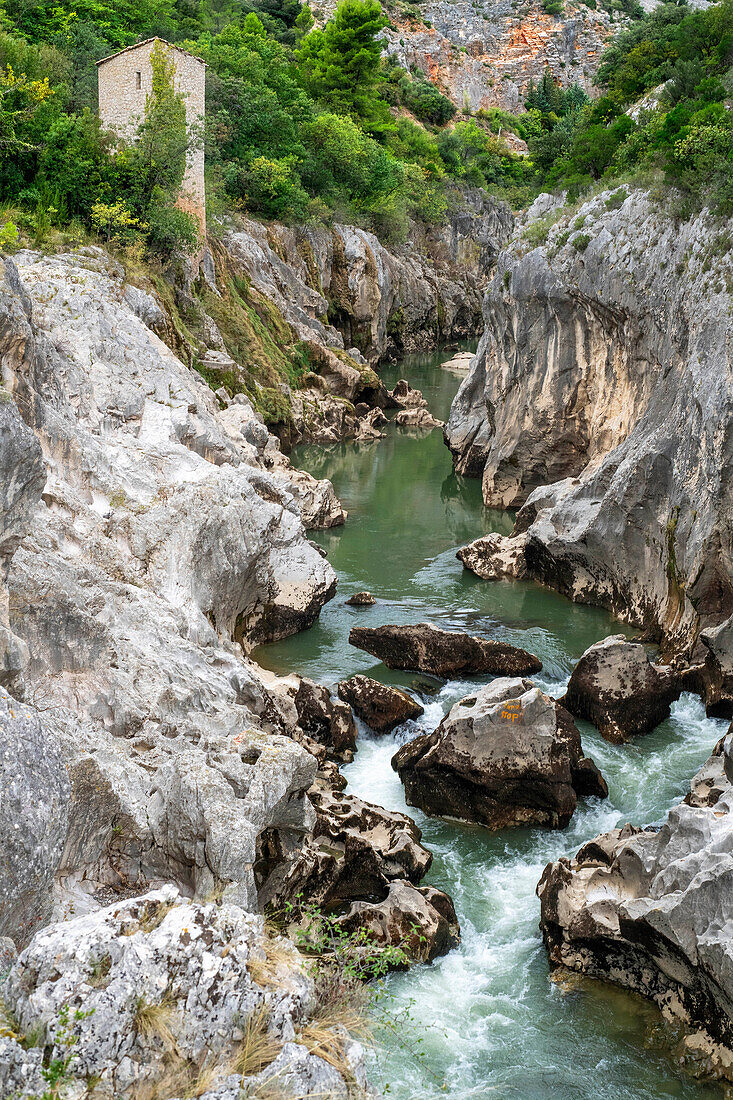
160,544
651,909
22,477
340,288
158,988
34,809
599,403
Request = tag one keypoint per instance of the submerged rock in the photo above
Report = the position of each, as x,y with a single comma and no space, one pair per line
159,989
380,706
508,755
616,687
651,909
425,648
361,599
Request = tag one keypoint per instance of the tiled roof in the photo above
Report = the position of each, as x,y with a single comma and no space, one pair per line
137,45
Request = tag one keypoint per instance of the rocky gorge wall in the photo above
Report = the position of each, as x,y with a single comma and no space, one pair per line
152,532
599,404
483,54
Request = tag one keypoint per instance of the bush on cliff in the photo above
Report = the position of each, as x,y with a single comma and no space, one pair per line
675,65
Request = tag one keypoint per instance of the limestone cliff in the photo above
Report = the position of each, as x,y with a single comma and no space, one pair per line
485,54
599,403
165,533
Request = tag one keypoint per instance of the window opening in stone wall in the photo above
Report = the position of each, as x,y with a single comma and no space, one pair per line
138,80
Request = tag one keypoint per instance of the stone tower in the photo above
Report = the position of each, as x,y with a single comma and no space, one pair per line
126,79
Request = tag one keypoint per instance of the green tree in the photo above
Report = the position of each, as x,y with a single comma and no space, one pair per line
339,65
162,138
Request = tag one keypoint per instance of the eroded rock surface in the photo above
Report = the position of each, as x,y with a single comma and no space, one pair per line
600,403
380,706
158,989
651,909
162,540
508,755
378,302
22,477
363,864
34,812
426,648
616,687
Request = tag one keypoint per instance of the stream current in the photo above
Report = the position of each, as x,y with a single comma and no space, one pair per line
489,1021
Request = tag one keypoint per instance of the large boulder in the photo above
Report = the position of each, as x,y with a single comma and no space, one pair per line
34,812
426,648
349,866
616,687
508,755
651,909
381,707
421,920
158,994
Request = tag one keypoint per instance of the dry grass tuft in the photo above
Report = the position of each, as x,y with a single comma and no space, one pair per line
258,1048
326,1036
157,1020
278,957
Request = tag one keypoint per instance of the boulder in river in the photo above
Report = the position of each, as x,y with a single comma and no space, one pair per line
421,919
507,755
357,853
327,720
417,418
361,599
380,706
651,909
450,654
616,687
406,396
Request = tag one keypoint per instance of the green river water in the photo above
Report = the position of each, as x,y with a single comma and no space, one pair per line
490,1021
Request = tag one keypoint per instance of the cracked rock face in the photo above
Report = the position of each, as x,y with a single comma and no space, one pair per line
508,755
616,687
162,540
157,989
651,909
379,302
426,648
34,802
599,403
22,477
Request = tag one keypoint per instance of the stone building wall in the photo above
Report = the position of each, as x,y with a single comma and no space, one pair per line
126,79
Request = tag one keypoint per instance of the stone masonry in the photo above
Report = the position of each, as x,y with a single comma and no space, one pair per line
125,81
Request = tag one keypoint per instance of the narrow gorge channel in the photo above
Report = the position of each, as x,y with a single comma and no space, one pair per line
492,1023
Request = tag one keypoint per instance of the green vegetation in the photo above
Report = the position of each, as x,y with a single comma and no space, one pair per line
674,64
303,123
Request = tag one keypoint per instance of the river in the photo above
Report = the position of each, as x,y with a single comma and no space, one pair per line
487,1017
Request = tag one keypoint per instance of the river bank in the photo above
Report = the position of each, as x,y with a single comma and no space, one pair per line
496,1024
